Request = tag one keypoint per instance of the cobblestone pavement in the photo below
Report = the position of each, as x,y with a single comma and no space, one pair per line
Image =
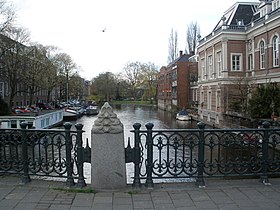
218,194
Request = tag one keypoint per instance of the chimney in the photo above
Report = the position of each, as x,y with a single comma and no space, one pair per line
181,53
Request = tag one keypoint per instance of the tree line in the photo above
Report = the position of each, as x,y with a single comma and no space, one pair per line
30,67
137,81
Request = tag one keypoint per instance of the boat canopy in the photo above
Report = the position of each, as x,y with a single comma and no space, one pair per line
183,112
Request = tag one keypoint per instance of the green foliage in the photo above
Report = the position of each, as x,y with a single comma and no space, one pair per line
4,108
236,106
76,190
132,192
265,101
105,86
137,81
97,98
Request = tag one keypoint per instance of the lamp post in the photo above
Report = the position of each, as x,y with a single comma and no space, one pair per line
67,87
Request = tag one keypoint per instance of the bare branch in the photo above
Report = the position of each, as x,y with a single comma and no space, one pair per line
7,17
193,31
173,46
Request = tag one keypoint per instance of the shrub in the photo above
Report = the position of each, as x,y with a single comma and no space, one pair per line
4,108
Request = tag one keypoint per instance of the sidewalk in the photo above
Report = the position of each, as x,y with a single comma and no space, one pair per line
218,194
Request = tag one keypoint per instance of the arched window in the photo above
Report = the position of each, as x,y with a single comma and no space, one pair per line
262,55
275,44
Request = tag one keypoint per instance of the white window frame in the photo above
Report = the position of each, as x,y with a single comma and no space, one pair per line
236,57
219,63
210,66
251,63
262,54
203,73
201,97
275,49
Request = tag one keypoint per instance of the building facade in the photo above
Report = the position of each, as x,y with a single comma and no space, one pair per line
241,51
174,83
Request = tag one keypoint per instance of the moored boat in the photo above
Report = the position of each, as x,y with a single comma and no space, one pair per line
43,120
70,114
183,116
92,110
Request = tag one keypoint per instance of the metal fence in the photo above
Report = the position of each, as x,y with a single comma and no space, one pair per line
47,152
199,153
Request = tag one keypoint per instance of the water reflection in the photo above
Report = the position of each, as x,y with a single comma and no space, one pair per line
128,115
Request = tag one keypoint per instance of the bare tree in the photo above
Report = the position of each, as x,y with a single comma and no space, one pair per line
241,88
7,16
149,81
76,86
14,60
193,31
65,69
39,65
173,46
132,73
50,69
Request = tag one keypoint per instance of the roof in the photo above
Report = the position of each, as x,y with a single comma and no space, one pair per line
240,14
183,58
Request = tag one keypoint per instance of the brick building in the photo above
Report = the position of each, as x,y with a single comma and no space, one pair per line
242,50
174,83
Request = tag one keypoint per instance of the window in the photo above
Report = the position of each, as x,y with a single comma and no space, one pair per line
203,73
210,66
275,43
42,123
262,54
13,124
195,92
201,98
219,64
174,74
218,100
209,101
250,62
236,62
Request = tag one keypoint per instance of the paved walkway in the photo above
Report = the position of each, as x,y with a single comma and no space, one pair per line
218,194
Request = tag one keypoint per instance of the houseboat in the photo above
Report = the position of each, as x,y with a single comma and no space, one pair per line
43,120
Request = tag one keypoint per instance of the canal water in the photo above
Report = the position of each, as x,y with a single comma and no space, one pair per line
128,115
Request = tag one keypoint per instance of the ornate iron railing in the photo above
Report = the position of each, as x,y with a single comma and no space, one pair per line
46,152
198,153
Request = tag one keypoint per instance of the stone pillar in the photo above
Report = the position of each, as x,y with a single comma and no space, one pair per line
108,170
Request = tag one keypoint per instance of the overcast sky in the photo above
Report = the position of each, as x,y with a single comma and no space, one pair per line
135,30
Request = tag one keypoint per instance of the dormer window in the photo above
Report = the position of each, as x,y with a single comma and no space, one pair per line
240,22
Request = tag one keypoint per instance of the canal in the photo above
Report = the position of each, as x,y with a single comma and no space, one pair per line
128,115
